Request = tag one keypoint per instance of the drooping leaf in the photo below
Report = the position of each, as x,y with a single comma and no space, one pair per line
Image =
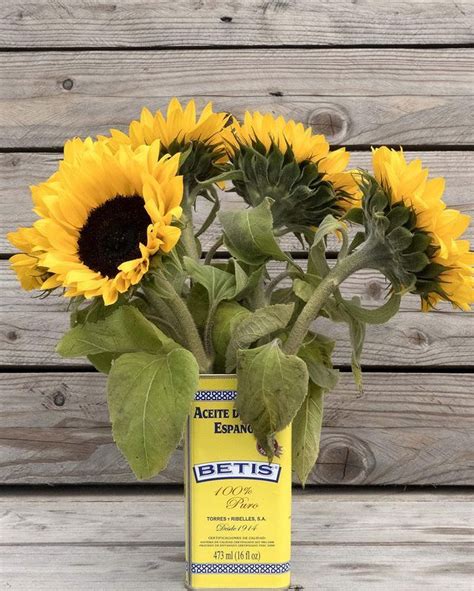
357,335
306,432
248,234
272,387
149,397
126,330
316,352
340,311
262,323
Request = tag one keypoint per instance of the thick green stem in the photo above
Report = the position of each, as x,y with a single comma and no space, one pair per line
187,235
365,257
187,326
259,299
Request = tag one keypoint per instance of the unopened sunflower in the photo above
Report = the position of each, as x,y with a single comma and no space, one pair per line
183,131
428,256
103,214
287,162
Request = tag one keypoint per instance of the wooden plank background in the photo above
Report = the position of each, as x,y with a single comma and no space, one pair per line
139,23
117,541
363,73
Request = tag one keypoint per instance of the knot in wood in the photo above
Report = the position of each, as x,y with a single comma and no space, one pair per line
344,460
331,122
59,399
418,338
68,84
374,290
12,335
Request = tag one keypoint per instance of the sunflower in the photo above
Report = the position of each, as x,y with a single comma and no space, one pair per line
199,137
27,265
103,214
287,162
441,262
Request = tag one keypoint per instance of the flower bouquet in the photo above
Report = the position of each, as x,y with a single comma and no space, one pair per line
116,234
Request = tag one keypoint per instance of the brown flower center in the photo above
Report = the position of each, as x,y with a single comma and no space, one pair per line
112,234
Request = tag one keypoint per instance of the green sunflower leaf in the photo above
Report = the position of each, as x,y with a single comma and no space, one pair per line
306,432
303,289
272,387
261,323
248,234
357,335
149,397
126,330
228,316
220,285
316,352
317,263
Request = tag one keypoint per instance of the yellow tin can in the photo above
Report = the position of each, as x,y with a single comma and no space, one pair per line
238,505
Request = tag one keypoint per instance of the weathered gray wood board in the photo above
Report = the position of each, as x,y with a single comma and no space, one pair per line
139,23
357,96
321,516
18,171
30,329
351,566
406,428
366,541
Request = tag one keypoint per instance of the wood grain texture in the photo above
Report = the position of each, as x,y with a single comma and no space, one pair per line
366,541
18,171
31,327
357,96
351,566
139,23
406,428
105,518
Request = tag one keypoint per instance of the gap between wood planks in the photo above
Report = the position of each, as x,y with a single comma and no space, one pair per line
412,369
349,147
92,48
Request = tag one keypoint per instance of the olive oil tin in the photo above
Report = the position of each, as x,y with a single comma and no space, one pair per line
238,505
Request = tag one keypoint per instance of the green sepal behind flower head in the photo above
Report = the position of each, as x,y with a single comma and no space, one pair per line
406,250
198,161
301,197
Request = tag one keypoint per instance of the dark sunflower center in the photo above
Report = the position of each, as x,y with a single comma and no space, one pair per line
112,234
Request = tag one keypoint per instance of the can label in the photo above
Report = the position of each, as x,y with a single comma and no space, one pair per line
238,505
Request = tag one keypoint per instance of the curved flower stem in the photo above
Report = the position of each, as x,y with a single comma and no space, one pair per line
366,257
186,325
212,251
274,282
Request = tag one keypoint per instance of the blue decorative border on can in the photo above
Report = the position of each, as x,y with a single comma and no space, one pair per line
215,395
277,568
